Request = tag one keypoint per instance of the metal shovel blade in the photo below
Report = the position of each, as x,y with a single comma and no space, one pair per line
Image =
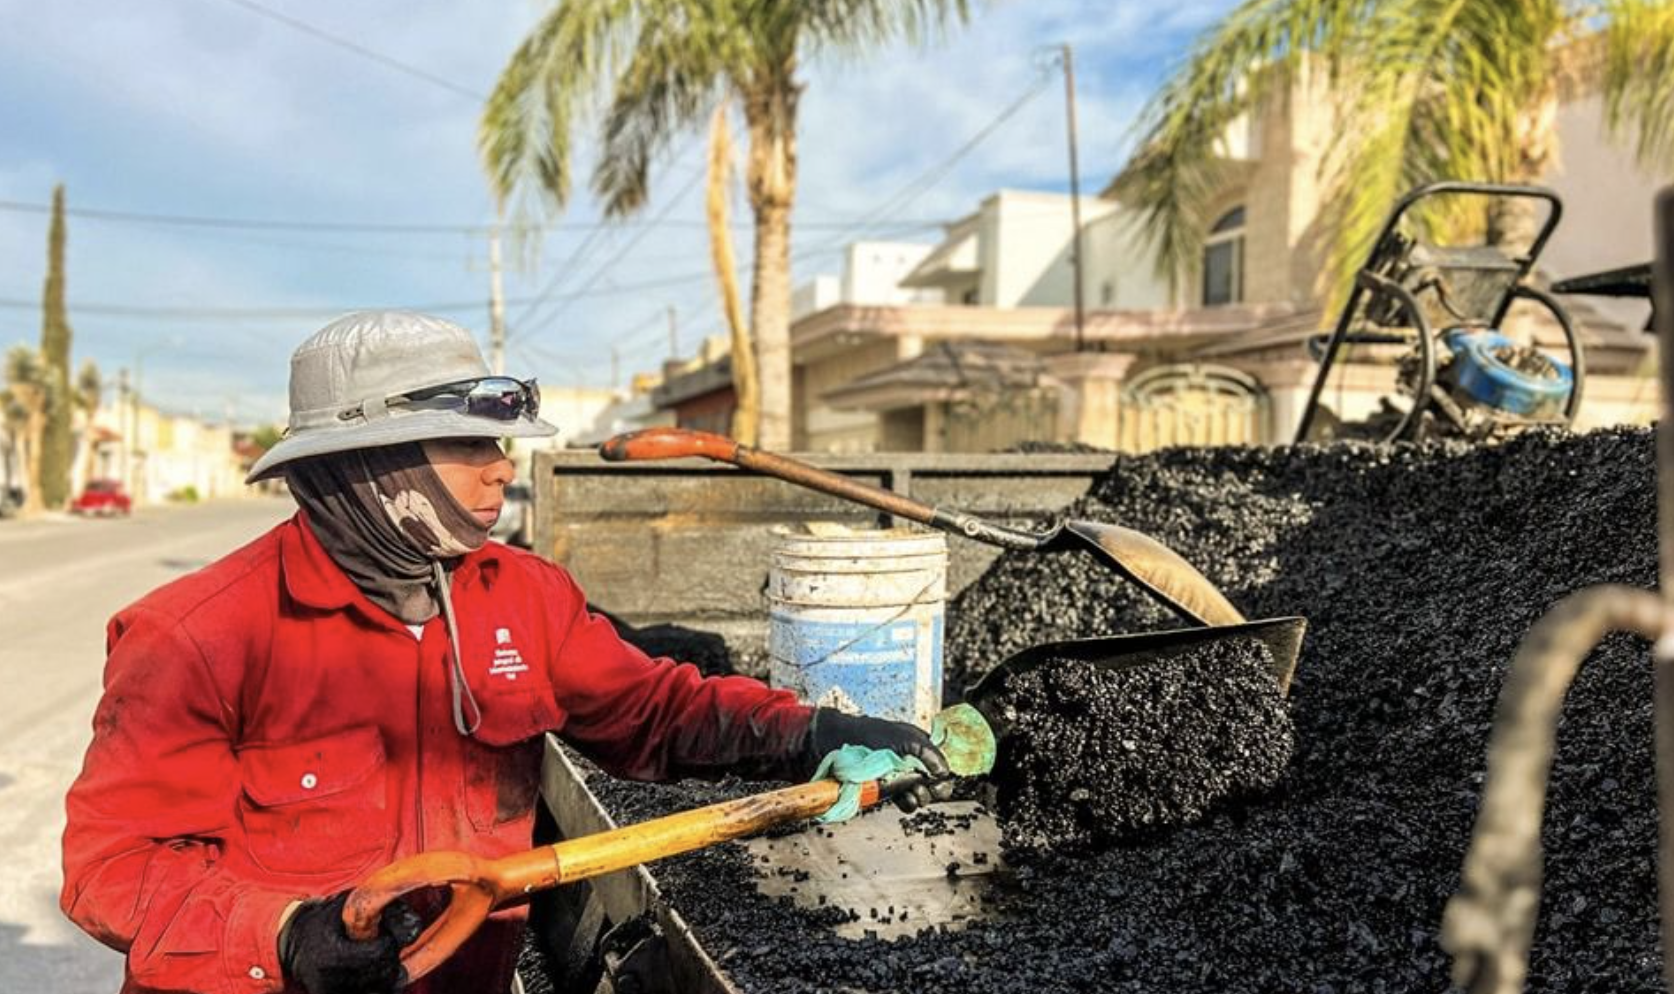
1157,569
1282,636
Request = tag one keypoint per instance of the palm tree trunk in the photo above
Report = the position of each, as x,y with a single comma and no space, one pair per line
770,111
32,502
1513,222
746,385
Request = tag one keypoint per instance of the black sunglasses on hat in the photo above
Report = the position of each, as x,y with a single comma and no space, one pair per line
498,398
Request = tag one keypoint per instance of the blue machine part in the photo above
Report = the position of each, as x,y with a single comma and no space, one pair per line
1486,378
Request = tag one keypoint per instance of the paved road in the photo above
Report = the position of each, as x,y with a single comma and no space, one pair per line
60,579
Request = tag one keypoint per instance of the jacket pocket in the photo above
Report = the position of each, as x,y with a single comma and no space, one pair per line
502,782
316,807
502,761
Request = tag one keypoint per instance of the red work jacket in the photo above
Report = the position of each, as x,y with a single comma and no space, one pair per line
268,734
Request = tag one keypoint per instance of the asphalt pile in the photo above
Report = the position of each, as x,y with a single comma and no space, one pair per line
1094,756
1419,568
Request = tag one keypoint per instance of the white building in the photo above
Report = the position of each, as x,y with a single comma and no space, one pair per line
872,274
1018,248
163,456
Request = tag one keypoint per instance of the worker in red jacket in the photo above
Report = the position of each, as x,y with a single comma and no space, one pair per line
369,680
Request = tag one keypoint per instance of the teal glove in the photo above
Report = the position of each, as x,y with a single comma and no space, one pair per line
855,765
831,729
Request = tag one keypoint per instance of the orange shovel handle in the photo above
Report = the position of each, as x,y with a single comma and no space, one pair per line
478,886
668,443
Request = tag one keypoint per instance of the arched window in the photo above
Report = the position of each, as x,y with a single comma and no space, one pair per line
1223,260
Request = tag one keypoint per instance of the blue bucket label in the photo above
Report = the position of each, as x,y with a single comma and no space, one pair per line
856,665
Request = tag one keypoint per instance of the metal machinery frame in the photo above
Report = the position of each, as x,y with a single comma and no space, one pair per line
1403,278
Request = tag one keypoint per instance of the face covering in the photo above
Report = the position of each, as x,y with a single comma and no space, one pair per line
391,525
385,517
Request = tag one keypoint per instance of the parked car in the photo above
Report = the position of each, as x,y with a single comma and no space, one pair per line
102,497
513,526
11,501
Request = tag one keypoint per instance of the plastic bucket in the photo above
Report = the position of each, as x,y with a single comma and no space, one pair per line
855,620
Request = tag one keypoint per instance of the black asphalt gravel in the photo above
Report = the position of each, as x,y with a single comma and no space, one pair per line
1419,569
1094,756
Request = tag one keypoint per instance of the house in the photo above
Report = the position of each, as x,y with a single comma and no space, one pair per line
162,455
973,343
698,393
1220,356
878,376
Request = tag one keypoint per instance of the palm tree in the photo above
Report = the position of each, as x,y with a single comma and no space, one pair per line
1426,90
667,65
30,393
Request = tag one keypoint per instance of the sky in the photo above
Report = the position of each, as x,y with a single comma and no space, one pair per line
243,111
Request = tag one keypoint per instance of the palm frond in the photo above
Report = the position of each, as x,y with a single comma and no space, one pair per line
89,386
30,382
525,133
676,76
1178,164
855,26
1439,89
1637,67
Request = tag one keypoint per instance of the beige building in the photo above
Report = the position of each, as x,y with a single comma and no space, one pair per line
161,456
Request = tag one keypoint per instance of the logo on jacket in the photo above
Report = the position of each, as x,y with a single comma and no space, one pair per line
508,662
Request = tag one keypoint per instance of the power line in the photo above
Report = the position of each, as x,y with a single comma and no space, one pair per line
930,177
283,242
358,49
639,236
259,224
378,227
285,313
569,264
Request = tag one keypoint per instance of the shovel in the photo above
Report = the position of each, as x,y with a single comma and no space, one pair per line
478,886
1157,569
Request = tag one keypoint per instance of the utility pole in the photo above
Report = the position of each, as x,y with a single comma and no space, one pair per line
673,332
1075,200
496,305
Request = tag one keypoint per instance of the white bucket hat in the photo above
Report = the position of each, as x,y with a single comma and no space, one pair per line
344,377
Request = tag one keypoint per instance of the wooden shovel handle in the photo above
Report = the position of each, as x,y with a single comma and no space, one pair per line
679,443
478,886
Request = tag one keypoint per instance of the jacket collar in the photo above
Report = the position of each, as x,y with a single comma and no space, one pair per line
313,578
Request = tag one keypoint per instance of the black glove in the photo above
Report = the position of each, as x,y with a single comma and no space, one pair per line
832,729
315,950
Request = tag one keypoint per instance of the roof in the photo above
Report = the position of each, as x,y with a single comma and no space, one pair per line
948,370
706,379
955,258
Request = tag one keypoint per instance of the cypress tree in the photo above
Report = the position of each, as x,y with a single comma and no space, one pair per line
58,441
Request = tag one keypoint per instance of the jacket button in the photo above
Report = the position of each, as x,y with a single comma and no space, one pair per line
257,973
309,781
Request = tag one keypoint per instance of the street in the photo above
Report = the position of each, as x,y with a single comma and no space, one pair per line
60,580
